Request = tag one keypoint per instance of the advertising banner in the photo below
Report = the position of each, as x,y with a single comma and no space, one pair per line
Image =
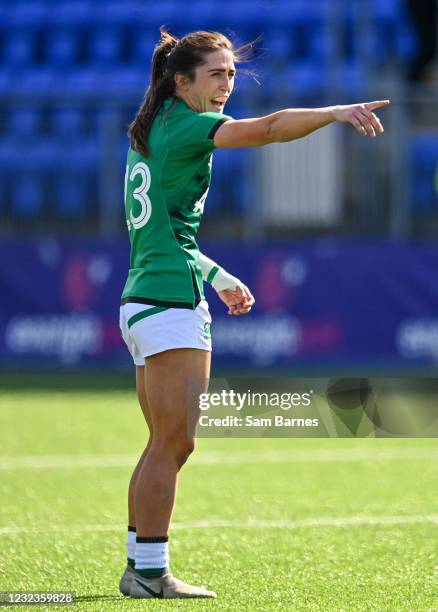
322,303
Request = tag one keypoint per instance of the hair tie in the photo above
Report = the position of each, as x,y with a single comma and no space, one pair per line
174,45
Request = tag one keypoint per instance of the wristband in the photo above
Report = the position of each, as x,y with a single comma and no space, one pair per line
216,276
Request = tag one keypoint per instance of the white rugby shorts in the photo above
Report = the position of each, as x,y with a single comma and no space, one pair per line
148,330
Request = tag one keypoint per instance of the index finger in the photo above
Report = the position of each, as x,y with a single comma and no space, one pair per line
377,104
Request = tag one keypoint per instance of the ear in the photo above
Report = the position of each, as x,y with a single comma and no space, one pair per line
181,81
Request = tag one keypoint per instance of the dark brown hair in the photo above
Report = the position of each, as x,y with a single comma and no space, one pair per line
172,55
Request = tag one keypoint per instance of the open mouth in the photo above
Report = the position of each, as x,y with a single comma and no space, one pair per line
219,102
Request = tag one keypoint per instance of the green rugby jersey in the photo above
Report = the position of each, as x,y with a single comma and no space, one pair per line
164,201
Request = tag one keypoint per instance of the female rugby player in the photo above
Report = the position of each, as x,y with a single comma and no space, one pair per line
164,317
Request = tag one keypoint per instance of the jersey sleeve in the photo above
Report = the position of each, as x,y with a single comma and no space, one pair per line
195,132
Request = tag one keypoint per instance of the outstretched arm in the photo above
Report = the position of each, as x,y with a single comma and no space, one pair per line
230,289
293,123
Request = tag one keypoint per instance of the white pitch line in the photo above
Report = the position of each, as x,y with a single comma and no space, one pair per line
315,455
67,461
350,521
225,457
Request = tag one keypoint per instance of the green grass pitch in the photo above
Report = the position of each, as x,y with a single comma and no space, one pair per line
345,525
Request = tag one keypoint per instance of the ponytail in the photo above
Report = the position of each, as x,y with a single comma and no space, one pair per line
161,87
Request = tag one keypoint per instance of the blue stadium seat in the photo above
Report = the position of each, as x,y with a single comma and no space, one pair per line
73,14
387,10
24,121
25,13
35,81
278,44
10,153
171,13
4,13
61,46
320,43
115,79
201,16
71,196
80,156
41,157
67,121
249,15
298,12
49,156
18,47
28,196
44,156
104,117
7,79
106,45
121,80
352,78
380,43
142,46
123,12
84,80
304,80
391,36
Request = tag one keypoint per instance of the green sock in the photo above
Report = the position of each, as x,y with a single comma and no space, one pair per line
152,572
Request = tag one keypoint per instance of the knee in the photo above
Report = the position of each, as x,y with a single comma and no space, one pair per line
177,448
183,451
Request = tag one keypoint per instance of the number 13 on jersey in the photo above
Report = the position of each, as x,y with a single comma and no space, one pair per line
140,194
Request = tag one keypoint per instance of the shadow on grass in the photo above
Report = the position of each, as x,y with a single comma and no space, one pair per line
60,380
81,598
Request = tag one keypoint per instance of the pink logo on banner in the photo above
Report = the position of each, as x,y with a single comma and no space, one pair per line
84,277
78,292
279,280
272,293
321,335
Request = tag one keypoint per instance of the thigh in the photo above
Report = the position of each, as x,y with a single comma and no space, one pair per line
174,380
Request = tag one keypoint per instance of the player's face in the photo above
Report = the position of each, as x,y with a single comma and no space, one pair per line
213,84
